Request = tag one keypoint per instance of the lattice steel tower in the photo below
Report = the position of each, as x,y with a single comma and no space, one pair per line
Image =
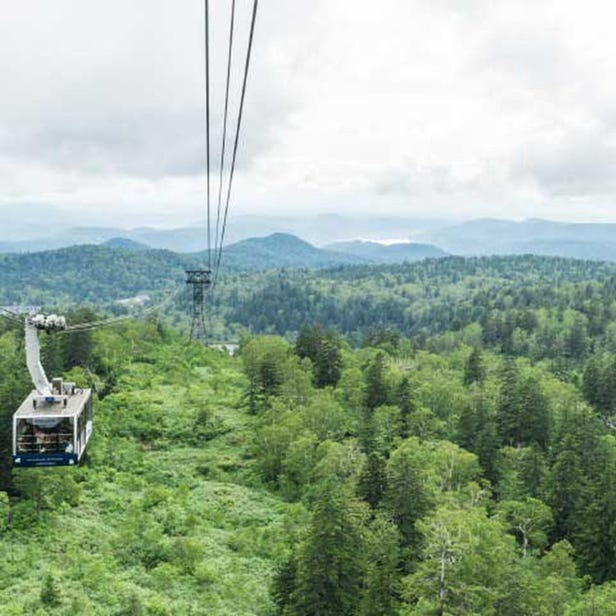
200,281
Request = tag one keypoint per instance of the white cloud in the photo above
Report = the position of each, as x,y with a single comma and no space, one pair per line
413,106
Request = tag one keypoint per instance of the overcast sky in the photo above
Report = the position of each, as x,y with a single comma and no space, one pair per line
503,108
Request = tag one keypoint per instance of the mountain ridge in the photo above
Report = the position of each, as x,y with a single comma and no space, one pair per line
96,272
482,236
489,236
387,253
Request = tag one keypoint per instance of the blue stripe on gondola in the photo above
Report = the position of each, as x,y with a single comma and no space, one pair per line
45,459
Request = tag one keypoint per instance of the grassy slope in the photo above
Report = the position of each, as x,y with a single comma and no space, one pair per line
171,519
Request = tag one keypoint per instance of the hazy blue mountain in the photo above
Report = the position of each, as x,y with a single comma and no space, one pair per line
178,240
392,253
281,250
319,230
594,251
534,236
69,236
476,237
87,273
101,273
30,220
123,268
125,244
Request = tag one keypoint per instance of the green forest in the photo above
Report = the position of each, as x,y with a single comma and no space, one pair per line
434,438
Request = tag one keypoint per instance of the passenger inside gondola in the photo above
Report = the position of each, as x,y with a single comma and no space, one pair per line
45,436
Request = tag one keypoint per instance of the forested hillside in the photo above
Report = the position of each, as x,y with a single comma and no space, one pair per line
122,268
304,477
95,274
426,438
536,306
398,252
167,515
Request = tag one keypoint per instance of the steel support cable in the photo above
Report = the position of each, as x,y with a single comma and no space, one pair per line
100,324
86,326
106,323
9,315
236,140
207,128
12,316
10,312
80,327
224,125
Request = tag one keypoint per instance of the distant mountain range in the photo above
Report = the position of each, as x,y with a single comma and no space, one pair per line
188,239
282,250
121,268
124,244
333,233
31,227
596,241
285,250
375,252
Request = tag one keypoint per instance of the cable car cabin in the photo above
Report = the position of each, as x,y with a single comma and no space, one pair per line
52,430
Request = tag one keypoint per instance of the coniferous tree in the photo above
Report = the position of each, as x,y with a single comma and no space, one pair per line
595,538
373,480
477,432
533,469
522,415
264,363
376,388
566,490
367,431
50,595
331,561
592,382
328,363
607,402
533,420
406,404
381,586
375,394
508,403
406,497
53,354
308,341
576,339
323,349
283,587
474,369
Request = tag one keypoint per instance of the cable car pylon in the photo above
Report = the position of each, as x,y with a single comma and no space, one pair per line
203,280
200,280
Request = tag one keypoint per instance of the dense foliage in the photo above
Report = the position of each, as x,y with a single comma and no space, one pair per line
460,483
453,454
534,306
166,516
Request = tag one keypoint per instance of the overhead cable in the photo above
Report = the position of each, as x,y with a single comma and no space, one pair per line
236,140
9,315
224,124
89,325
207,127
